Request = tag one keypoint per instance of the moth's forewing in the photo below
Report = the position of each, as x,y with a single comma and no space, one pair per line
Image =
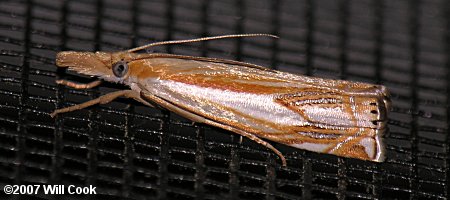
322,115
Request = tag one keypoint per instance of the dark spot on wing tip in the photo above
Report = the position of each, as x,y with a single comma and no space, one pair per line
380,124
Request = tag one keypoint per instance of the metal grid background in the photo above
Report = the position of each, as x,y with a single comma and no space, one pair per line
128,150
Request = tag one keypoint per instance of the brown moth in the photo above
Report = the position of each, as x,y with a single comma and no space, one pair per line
337,117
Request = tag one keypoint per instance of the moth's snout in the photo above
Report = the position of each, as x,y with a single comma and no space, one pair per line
67,58
70,58
87,63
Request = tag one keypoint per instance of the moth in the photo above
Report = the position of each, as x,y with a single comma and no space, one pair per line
337,117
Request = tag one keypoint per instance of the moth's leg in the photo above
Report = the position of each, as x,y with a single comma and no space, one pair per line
251,137
103,100
79,85
200,119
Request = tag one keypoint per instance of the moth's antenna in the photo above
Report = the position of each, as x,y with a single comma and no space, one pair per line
201,39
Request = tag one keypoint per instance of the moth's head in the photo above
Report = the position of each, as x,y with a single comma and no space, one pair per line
109,66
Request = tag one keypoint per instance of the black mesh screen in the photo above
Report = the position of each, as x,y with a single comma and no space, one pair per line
128,150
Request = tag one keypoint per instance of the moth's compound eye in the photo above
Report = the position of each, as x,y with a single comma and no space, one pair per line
120,69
